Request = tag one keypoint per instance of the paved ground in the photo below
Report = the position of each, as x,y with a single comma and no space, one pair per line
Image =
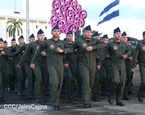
16,105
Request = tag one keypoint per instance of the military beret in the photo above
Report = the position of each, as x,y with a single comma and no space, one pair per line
1,39
5,42
32,36
124,34
21,37
55,27
13,39
87,28
95,34
70,32
117,30
105,36
40,31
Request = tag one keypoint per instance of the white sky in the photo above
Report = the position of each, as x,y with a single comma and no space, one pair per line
131,19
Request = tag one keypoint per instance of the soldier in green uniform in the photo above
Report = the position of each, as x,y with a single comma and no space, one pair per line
128,63
105,69
11,66
140,56
3,68
87,52
41,73
7,78
97,82
69,69
28,55
118,52
54,49
21,74
28,70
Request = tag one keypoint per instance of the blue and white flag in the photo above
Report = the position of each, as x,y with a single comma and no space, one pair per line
109,12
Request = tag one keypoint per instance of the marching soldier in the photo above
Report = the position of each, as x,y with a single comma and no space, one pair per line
97,82
54,54
140,56
29,53
11,66
3,68
69,69
28,70
87,52
105,69
128,63
118,52
21,75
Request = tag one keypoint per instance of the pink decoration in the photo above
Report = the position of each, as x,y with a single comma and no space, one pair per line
68,14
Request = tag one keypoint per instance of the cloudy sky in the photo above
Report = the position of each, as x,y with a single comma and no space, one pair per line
131,19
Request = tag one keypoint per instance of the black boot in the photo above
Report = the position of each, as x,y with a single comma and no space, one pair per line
55,107
87,105
110,100
95,98
69,99
140,99
119,104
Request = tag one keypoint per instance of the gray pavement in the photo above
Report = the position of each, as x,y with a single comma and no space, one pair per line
16,105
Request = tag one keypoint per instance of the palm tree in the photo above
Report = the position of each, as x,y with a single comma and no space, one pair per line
14,27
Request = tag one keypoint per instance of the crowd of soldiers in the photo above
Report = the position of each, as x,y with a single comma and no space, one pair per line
92,66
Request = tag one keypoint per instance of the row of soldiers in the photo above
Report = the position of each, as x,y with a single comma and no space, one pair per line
84,62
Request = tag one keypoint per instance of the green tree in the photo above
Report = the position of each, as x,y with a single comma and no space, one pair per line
14,27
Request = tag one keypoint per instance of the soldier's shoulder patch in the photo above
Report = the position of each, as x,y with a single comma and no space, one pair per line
115,47
84,45
37,47
51,46
143,47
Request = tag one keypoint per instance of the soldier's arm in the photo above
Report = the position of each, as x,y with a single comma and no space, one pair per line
7,53
19,51
103,54
98,45
24,56
72,49
38,51
128,50
135,56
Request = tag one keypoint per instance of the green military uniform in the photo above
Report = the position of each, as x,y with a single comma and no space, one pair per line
28,70
69,73
128,64
21,74
97,82
55,68
3,71
87,64
11,69
140,56
105,75
41,73
27,57
118,69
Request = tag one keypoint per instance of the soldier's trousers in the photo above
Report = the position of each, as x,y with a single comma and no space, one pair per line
55,81
12,76
21,78
3,74
70,81
97,84
117,85
88,76
30,77
141,90
41,79
128,80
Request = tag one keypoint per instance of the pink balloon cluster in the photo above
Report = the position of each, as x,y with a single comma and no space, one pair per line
68,14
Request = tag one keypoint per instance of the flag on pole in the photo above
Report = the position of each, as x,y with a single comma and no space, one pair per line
109,12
